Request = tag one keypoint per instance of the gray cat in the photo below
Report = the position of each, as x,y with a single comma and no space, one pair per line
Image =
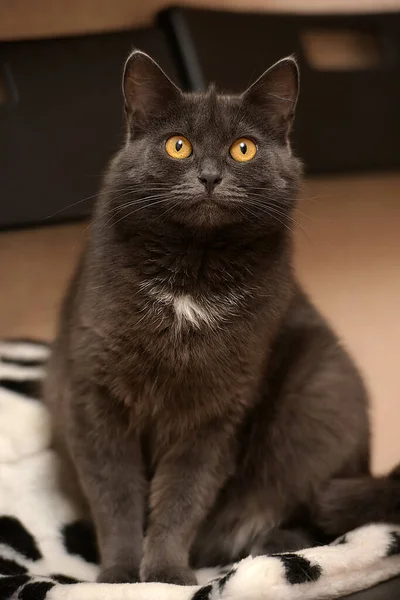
208,409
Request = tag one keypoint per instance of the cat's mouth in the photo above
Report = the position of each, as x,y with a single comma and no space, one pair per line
208,210
210,201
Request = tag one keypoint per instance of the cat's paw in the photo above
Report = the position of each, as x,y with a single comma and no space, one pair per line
167,574
119,574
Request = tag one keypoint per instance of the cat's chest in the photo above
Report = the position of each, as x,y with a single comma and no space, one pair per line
192,286
180,344
187,352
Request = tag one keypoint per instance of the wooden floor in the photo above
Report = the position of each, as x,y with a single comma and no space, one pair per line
347,256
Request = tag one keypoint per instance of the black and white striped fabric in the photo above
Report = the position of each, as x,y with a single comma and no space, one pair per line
47,552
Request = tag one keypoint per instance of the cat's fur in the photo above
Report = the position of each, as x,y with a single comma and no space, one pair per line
201,397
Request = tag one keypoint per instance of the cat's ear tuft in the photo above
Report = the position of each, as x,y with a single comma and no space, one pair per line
147,89
276,93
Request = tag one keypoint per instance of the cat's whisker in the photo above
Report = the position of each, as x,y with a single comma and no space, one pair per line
163,199
141,191
141,205
141,184
277,207
314,199
132,202
117,209
64,208
125,191
168,210
269,211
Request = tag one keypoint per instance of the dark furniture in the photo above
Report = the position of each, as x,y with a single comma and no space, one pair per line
61,118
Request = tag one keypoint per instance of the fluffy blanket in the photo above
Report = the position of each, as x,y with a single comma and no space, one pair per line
47,552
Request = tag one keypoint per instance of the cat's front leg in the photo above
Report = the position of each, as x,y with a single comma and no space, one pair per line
107,456
184,489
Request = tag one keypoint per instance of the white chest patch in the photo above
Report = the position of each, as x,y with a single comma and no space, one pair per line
187,309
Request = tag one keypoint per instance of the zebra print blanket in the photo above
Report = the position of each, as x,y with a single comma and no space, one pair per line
48,553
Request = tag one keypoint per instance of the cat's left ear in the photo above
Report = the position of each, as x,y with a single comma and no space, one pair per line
275,93
147,89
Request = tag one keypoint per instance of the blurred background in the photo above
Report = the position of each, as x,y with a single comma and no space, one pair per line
61,120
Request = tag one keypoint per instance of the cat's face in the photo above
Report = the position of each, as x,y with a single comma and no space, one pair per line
205,160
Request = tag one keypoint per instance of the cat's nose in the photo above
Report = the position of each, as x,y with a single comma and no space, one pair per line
210,178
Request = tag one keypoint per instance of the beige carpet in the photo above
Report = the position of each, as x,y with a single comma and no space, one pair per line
347,256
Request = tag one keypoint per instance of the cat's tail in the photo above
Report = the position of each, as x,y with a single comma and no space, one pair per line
345,504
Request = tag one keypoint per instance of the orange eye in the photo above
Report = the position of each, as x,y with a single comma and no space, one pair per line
243,150
178,147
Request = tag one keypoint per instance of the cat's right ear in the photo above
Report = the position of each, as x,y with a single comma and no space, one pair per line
147,89
275,94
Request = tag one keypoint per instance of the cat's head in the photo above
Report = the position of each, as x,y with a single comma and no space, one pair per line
205,160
